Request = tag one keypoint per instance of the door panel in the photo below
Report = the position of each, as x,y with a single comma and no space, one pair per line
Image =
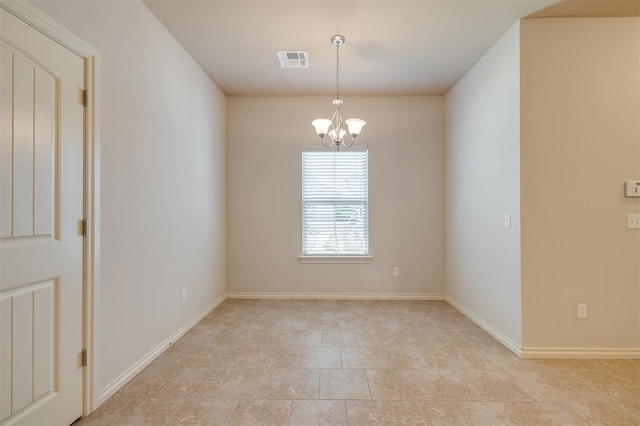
5,357
30,319
22,157
6,140
41,248
44,210
28,151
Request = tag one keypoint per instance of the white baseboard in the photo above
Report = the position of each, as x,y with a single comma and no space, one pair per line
337,296
545,352
106,392
581,353
497,334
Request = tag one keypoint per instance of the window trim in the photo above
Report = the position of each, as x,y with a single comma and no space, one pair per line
337,258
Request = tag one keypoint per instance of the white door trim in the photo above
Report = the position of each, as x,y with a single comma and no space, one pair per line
48,26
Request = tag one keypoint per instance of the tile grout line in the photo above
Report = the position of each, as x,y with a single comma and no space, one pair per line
289,411
232,411
346,410
368,385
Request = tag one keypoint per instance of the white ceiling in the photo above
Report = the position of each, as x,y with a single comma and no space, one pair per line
393,47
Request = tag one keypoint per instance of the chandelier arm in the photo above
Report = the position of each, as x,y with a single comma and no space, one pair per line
325,145
346,145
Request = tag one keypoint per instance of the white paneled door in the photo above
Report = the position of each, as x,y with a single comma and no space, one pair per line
41,243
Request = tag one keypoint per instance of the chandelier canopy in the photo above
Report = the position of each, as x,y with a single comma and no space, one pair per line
334,127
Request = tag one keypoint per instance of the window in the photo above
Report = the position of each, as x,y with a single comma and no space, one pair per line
335,205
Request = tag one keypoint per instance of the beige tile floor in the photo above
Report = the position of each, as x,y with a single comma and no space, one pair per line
305,362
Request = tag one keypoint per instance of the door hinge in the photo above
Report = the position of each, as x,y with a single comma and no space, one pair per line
84,357
85,98
84,227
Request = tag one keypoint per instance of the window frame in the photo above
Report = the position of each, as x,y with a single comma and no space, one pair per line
333,258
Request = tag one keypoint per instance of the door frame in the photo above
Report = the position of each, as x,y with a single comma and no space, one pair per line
91,250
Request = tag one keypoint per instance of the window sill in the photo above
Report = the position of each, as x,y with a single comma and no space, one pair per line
335,259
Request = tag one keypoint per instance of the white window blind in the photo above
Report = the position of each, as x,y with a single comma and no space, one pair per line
335,203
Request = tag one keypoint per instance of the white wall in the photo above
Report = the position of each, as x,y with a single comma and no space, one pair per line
483,183
162,180
580,141
548,119
405,140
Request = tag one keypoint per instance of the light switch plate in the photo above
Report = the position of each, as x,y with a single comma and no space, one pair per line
633,221
632,188
582,310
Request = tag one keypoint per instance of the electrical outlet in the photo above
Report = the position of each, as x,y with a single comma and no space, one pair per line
183,295
582,310
633,221
396,271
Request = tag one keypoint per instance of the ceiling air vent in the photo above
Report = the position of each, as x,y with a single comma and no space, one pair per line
293,59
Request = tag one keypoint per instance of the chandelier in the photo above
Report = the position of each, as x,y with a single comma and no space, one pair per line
333,128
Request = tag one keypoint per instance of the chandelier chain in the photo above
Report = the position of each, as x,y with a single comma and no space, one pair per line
338,71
